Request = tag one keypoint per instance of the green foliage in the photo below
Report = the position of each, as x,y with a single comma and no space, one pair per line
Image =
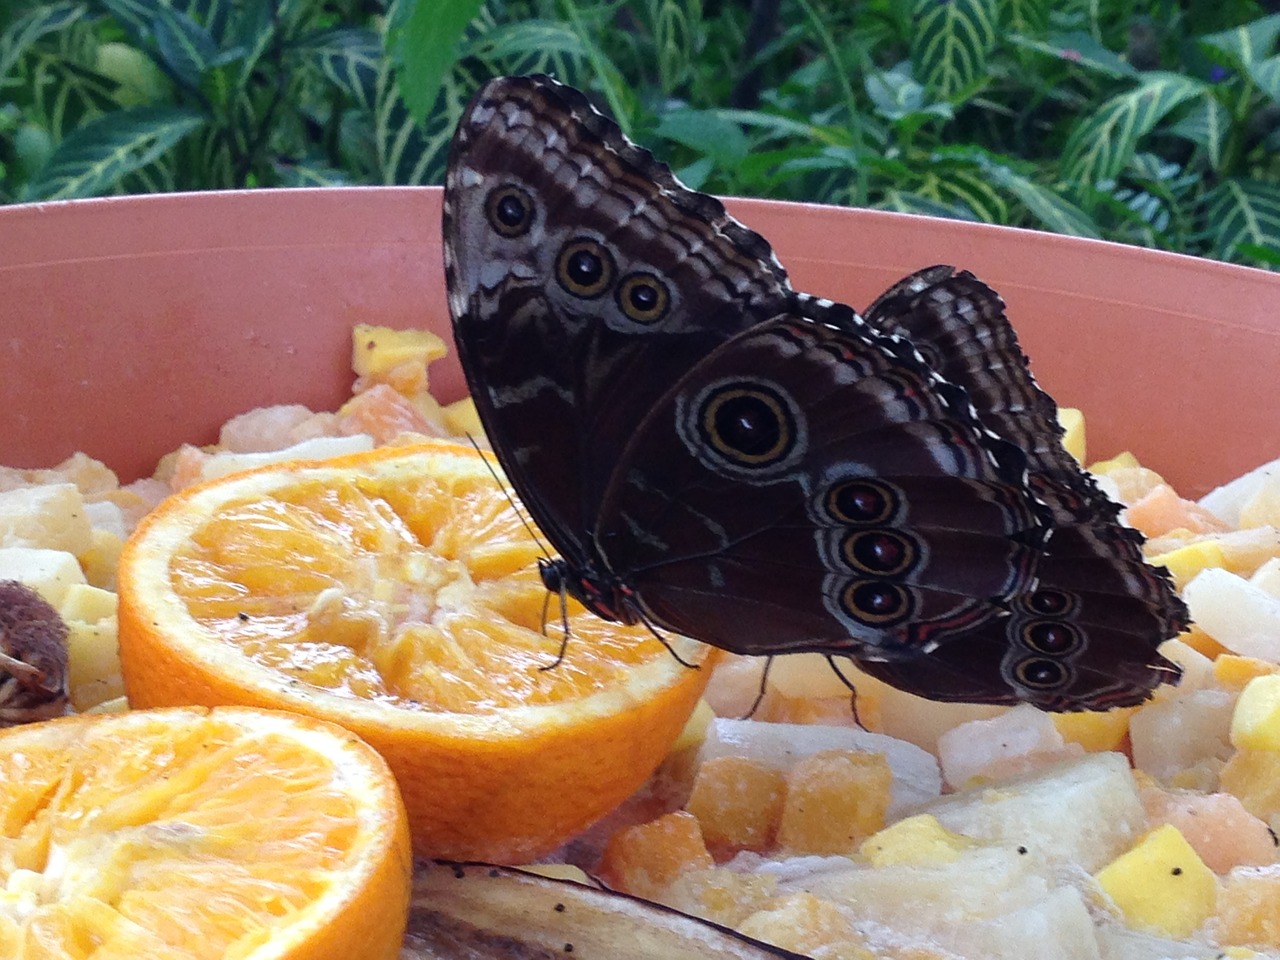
1140,121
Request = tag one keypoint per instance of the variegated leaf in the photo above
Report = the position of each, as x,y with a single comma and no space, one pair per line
950,45
26,30
1101,143
1241,212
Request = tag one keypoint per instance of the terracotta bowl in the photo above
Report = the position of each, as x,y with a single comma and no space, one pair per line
131,325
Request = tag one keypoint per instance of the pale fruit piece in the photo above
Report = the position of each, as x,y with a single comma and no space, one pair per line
51,516
1057,927
1254,777
1118,942
1185,562
738,802
1197,669
905,716
1241,616
1160,885
1249,908
644,859
719,894
780,745
93,662
1174,735
318,448
983,882
49,573
1267,577
1255,723
968,750
87,603
1084,811
1227,500
1221,831
376,350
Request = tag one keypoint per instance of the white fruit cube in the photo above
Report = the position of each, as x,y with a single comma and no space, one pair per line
51,517
1240,615
48,572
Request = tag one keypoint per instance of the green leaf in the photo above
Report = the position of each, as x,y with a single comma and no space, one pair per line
951,43
897,96
310,174
1051,210
1266,75
65,93
707,133
93,159
905,201
958,187
1247,43
422,39
1239,212
1265,255
1101,143
538,37
1030,18
349,58
186,48
410,152
1207,125
1080,49
25,31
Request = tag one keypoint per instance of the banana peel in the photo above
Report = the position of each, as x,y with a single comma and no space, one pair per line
472,911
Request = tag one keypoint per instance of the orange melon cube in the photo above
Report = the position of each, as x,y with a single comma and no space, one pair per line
1234,671
835,800
1254,777
644,859
738,803
1249,909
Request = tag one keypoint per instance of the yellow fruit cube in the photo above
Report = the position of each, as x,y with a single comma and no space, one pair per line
461,419
1253,776
1072,422
376,350
1249,909
1097,732
1124,459
695,728
1185,562
804,923
1255,723
90,604
721,895
93,662
835,800
99,562
1160,885
1234,671
738,803
915,840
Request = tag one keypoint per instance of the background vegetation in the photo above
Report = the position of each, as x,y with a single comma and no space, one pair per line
1146,121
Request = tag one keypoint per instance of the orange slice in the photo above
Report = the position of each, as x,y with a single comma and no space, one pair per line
396,593
194,833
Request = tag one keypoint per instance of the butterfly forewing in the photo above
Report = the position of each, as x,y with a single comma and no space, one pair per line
573,259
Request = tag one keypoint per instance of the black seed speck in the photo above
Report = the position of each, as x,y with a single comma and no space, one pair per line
1022,851
1176,871
244,617
559,908
568,948
458,871
494,874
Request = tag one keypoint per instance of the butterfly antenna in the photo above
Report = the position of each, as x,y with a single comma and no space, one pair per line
853,691
764,681
506,492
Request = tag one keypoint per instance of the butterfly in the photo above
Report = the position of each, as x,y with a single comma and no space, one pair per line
713,453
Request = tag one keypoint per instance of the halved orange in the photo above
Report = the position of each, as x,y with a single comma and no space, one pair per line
396,593
194,833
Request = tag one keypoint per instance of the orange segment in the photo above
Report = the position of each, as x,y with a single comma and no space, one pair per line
396,593
194,833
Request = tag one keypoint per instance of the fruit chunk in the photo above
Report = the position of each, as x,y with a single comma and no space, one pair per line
1254,777
1255,724
1240,615
738,803
914,840
1097,731
1084,811
645,858
1218,827
1160,885
804,923
1073,434
834,800
1249,909
377,350
51,516
396,593
194,833
1183,563
49,573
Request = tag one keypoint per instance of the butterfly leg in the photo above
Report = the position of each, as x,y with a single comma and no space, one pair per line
764,681
564,626
853,690
663,640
